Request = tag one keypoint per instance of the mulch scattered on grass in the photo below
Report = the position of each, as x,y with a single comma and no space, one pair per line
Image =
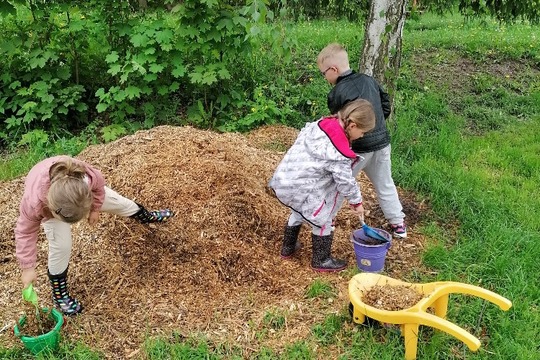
212,269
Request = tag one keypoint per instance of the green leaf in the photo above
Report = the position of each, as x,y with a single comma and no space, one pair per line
115,69
28,106
225,23
214,35
37,62
156,68
15,85
100,92
146,90
167,47
164,36
150,77
120,96
81,107
113,132
13,122
163,90
112,57
63,73
239,20
133,92
150,51
139,40
209,78
196,77
179,71
224,74
101,107
62,110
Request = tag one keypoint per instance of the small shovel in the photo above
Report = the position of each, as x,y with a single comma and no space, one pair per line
370,232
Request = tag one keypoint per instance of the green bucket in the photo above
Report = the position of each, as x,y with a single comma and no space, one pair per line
50,340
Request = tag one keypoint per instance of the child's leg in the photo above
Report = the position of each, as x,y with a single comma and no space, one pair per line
58,234
117,204
290,237
379,172
295,219
321,240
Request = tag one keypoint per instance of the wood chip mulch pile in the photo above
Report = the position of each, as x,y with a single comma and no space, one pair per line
215,267
392,297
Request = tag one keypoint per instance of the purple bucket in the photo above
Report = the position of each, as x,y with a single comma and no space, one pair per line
370,258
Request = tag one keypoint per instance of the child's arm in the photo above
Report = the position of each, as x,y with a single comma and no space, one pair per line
346,183
26,235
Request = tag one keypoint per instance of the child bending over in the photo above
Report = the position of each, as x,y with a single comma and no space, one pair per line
61,191
315,174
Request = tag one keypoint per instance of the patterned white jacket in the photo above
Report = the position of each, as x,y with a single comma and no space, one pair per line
315,170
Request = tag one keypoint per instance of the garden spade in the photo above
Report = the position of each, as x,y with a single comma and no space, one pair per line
372,233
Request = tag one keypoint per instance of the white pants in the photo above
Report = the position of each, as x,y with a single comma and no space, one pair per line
58,233
296,219
378,168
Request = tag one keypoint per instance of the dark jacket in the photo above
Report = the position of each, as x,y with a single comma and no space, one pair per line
352,86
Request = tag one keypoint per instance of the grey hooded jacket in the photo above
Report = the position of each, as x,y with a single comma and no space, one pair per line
315,170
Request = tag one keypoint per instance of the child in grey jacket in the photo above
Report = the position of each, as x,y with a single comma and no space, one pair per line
315,174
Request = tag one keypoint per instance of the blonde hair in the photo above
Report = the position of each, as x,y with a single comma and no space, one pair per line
69,197
335,54
360,112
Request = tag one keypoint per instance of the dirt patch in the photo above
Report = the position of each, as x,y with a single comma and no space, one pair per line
215,267
455,72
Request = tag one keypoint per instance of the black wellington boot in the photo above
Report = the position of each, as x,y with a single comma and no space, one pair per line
290,241
60,295
144,216
321,260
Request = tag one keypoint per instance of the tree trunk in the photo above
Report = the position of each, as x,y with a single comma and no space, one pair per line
381,54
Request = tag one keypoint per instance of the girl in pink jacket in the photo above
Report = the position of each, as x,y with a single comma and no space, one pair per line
60,191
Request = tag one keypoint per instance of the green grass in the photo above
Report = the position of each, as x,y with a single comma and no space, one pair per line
466,138
319,288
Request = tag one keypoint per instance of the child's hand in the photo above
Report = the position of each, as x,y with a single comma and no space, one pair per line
93,217
359,210
28,276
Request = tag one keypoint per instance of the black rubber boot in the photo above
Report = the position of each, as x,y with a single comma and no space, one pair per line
290,241
144,216
321,260
60,295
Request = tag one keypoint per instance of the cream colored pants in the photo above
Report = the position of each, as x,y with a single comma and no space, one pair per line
58,233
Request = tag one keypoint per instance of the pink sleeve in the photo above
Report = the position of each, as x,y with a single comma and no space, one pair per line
26,235
98,190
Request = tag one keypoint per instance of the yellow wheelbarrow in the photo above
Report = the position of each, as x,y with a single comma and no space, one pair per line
435,297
